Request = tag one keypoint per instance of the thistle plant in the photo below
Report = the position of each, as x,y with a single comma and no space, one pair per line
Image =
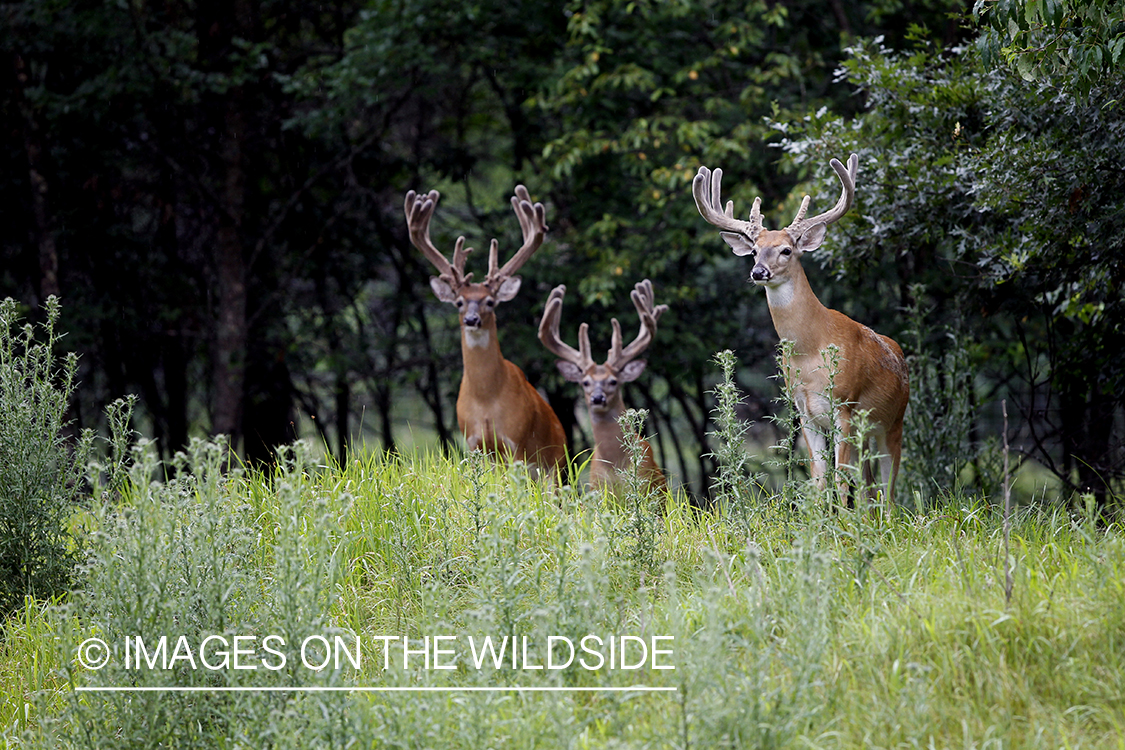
787,419
43,468
732,486
639,503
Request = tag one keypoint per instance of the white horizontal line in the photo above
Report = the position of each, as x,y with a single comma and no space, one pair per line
373,689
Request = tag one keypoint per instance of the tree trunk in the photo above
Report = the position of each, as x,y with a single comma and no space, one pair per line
175,363
44,234
230,264
268,401
562,403
343,405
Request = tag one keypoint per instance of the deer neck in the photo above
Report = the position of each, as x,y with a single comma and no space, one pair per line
483,363
608,436
797,313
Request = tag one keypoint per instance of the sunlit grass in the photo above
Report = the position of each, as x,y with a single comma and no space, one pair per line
793,628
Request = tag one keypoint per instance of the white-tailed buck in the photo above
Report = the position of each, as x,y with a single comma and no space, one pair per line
498,411
602,383
871,374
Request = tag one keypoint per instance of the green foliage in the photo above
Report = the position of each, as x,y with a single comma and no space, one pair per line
789,630
41,466
1073,44
642,508
733,486
186,558
939,421
975,184
787,378
176,141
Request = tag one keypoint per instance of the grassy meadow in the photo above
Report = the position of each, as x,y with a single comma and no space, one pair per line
790,625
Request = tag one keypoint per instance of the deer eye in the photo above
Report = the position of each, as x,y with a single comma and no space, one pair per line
460,302
586,383
612,381
490,302
786,251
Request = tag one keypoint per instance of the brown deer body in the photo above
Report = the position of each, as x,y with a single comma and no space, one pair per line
602,384
871,373
498,410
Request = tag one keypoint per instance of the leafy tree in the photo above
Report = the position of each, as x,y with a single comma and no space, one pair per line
650,92
424,95
976,184
1073,43
168,197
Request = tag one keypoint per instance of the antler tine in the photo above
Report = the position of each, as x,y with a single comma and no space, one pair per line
847,177
460,254
643,299
419,210
533,224
800,217
584,345
493,253
706,187
549,332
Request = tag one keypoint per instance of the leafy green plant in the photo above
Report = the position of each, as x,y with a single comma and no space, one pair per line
1069,42
188,559
939,421
41,466
788,424
733,487
780,640
960,164
642,506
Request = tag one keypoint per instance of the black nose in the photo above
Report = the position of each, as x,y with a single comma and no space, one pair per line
760,273
598,399
472,320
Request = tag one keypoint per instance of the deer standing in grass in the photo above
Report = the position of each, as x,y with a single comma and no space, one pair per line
872,373
602,383
498,410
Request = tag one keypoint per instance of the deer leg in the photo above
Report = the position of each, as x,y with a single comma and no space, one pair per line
890,450
871,480
817,447
844,469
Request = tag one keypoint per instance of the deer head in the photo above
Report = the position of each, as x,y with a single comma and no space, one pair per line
775,252
475,302
601,383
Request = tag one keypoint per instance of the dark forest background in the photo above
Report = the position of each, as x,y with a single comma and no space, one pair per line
214,190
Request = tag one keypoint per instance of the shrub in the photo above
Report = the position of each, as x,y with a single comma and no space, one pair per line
192,557
41,466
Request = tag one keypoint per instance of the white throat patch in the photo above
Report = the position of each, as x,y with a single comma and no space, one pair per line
477,338
780,295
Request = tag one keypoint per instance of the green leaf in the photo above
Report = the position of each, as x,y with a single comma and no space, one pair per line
1054,12
1115,49
1025,66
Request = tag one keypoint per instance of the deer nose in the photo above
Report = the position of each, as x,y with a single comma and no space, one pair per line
472,320
760,273
597,399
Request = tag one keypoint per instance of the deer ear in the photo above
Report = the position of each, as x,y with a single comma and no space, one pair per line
812,237
442,290
569,370
631,371
509,288
739,244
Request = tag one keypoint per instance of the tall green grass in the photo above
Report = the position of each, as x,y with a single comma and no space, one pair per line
793,621
792,628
